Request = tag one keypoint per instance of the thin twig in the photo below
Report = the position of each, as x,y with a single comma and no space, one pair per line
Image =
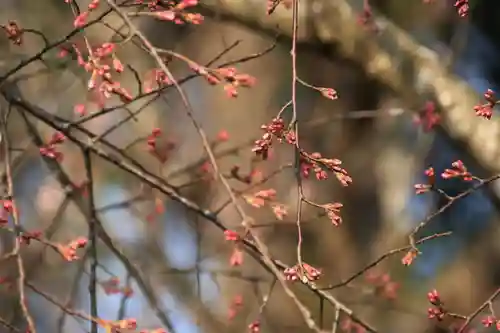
92,222
15,217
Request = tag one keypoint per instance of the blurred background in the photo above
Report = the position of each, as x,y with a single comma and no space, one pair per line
184,259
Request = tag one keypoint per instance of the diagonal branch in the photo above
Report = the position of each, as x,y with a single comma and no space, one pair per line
271,265
261,247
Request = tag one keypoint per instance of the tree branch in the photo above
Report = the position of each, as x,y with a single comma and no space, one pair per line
392,56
